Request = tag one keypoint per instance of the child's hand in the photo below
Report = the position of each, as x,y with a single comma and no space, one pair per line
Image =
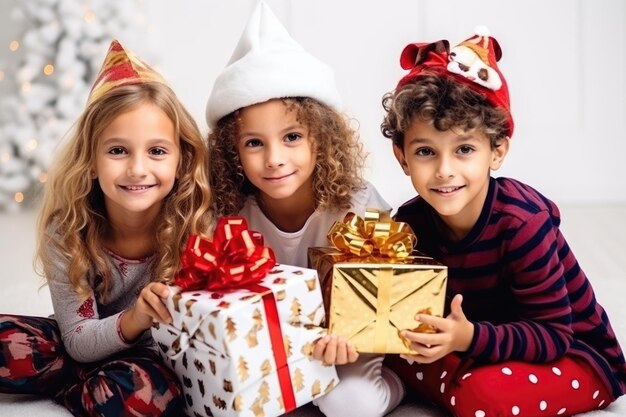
149,305
335,350
455,334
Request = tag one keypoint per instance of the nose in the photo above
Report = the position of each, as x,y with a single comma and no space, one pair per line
274,156
137,166
445,168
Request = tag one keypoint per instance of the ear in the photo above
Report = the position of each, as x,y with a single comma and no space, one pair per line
499,153
416,53
399,154
92,174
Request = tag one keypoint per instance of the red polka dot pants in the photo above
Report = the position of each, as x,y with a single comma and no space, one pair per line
561,388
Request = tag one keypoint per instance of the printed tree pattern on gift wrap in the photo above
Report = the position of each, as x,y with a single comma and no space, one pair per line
234,326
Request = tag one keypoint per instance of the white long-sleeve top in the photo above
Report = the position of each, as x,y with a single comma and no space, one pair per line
291,248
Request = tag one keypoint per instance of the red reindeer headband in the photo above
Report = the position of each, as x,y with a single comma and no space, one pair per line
473,63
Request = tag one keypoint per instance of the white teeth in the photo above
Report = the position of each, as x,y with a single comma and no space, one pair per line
447,189
137,187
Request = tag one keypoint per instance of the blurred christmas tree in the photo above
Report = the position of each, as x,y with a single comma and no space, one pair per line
51,67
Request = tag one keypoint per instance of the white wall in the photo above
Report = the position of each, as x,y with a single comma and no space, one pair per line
564,60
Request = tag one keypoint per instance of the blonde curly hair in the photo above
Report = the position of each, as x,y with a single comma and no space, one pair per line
339,158
73,218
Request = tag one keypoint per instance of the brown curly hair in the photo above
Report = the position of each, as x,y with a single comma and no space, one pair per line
444,102
339,158
73,219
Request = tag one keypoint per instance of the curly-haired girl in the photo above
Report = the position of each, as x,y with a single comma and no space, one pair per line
126,191
296,159
286,159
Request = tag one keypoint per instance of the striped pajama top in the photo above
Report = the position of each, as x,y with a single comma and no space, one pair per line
522,286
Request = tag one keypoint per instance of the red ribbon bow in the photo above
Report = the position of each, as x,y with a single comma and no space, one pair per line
234,258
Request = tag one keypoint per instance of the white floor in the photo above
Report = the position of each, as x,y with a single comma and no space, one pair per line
597,234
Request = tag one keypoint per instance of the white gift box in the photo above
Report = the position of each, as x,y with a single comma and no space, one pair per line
221,347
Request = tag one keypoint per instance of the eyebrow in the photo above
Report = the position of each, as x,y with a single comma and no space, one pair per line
464,138
290,128
418,141
124,141
295,126
460,138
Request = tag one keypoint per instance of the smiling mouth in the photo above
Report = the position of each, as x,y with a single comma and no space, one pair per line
278,178
136,187
447,190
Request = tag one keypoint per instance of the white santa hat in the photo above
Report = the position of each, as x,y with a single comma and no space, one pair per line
267,63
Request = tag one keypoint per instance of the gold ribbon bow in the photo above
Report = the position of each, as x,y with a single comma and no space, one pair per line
375,235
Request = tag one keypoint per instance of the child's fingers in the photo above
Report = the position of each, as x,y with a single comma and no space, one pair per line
160,289
163,314
330,355
421,338
158,310
456,307
353,355
341,356
427,339
153,314
437,322
320,347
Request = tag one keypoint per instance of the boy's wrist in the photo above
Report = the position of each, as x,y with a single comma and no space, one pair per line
467,336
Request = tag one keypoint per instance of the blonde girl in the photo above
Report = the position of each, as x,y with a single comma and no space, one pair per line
125,192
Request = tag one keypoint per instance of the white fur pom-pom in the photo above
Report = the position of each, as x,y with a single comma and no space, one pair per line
481,30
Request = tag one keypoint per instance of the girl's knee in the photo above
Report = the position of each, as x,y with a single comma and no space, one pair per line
358,397
566,387
32,358
136,390
472,396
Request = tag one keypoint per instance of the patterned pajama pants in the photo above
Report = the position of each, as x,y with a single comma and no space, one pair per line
133,382
565,387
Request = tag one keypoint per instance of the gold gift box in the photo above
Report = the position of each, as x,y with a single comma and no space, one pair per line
369,300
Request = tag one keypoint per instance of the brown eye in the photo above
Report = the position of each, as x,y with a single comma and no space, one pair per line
253,143
117,150
292,137
158,151
483,74
424,152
